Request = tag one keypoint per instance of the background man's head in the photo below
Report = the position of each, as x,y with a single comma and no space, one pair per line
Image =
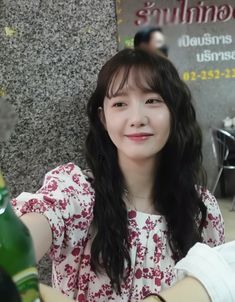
152,39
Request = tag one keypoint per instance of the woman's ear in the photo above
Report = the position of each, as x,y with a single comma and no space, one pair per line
102,116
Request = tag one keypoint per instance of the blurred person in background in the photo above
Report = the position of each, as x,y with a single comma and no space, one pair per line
151,39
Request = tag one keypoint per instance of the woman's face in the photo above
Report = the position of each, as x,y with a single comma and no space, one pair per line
137,121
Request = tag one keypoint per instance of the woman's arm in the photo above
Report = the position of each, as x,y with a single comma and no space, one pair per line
46,212
209,276
214,267
50,294
186,290
40,231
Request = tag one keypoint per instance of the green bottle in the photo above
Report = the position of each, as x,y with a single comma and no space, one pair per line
16,249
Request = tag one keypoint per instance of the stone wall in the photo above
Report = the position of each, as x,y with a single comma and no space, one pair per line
51,52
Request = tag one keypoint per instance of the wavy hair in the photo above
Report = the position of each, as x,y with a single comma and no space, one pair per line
175,193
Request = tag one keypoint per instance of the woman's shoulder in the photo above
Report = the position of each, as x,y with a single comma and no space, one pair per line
207,197
67,169
70,173
211,203
213,231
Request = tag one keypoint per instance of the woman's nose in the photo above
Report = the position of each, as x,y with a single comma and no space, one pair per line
138,117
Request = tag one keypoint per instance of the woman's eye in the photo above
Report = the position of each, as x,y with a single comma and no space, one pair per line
119,104
154,101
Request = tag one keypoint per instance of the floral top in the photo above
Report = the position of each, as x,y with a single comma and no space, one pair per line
67,199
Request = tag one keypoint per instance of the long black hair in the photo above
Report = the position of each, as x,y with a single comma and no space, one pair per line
180,169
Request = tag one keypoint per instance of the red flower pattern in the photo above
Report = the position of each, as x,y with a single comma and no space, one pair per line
67,199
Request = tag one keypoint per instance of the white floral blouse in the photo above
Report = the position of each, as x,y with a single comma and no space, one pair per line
66,199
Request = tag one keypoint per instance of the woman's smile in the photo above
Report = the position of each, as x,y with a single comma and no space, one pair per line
139,137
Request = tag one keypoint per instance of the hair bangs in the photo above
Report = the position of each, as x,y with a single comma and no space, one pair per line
145,78
117,81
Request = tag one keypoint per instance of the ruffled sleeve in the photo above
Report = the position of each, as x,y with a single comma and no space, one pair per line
66,199
213,231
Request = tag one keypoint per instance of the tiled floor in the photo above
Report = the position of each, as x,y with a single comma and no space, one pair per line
229,218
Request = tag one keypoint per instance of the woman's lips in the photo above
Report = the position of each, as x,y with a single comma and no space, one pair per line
139,137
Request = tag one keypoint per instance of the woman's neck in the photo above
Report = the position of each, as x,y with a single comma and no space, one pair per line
139,178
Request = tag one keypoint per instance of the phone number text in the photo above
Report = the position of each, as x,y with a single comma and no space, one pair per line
212,74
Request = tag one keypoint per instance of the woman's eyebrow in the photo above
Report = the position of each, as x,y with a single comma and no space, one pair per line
149,90
119,93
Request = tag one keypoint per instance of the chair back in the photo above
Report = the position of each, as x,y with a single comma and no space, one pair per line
223,144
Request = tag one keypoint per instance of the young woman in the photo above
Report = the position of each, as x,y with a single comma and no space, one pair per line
116,232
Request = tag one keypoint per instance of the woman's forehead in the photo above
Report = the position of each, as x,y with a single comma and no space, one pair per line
130,79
